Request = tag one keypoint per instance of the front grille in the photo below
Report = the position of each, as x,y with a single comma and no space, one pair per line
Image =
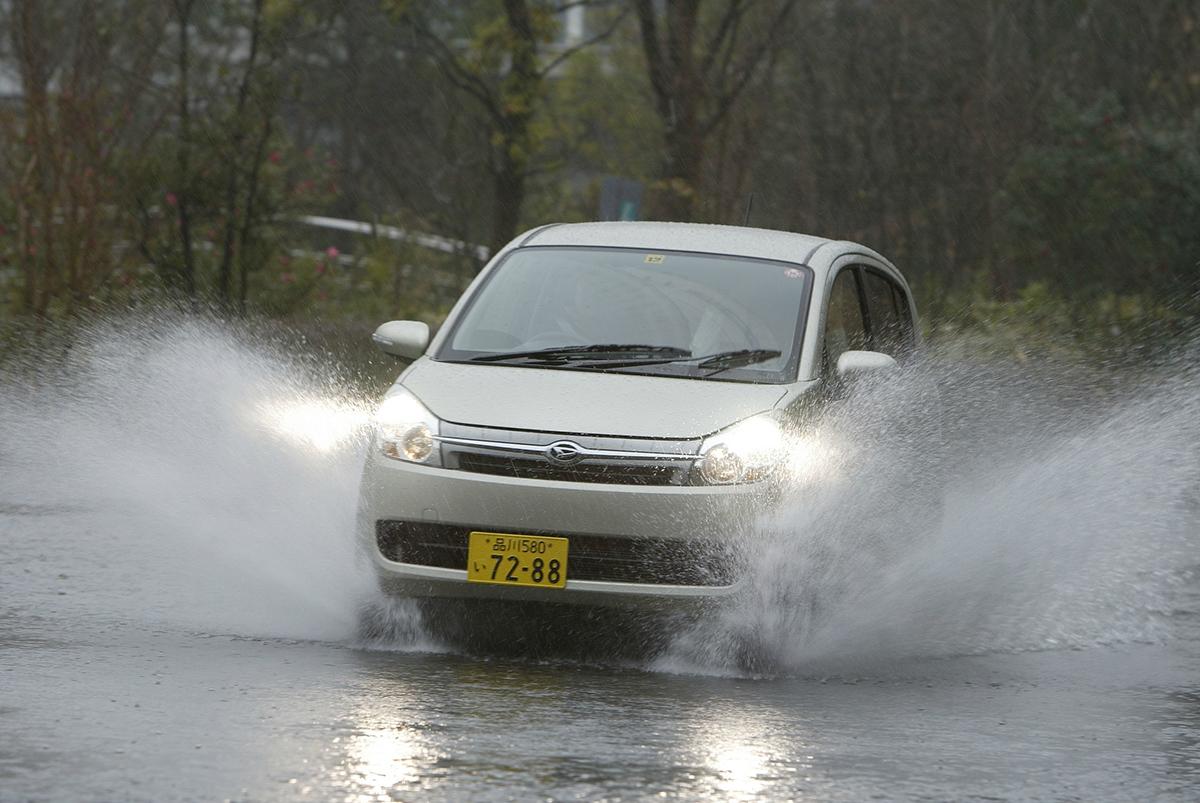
656,561
539,468
603,459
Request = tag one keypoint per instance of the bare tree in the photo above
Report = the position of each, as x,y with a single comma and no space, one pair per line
82,68
186,270
237,167
502,70
700,60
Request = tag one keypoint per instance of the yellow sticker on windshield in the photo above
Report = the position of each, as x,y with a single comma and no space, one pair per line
655,259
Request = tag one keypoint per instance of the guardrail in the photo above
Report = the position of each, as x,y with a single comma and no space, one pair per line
433,242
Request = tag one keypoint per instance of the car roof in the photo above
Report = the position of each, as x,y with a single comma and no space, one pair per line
702,237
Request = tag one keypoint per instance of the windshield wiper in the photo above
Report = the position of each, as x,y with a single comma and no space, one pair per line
613,356
735,359
593,352
721,361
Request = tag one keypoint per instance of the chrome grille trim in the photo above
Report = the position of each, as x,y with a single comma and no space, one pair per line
600,458
530,448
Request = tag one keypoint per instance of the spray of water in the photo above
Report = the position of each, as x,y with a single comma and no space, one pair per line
208,478
202,481
1068,519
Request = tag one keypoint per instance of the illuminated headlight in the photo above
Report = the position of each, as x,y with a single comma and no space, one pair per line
748,451
406,430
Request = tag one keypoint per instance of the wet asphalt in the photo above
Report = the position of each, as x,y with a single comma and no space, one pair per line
108,693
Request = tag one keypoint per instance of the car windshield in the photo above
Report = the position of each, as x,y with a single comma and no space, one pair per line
667,313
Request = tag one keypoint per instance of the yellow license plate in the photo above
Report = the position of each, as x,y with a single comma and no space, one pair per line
517,560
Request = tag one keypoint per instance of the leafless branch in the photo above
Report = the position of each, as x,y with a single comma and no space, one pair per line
453,68
571,51
726,99
659,82
726,30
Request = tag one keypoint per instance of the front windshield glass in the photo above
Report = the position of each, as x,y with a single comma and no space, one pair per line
688,307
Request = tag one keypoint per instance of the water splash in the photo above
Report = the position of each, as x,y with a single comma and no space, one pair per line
1070,520
206,477
213,474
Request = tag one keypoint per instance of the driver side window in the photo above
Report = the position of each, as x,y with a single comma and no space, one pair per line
845,329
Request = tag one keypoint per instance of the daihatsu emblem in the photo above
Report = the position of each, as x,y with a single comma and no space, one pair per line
564,453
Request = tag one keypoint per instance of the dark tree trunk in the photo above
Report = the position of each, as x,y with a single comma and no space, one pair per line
513,139
225,269
186,281
248,218
509,194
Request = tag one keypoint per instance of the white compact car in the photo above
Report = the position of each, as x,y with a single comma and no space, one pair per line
608,404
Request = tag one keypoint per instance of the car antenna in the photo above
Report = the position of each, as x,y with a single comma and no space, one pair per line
749,206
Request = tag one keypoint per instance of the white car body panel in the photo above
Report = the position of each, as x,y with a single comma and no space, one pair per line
565,401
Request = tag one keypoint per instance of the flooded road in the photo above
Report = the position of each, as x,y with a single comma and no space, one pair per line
102,702
179,597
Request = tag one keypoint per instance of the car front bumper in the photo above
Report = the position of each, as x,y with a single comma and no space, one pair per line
398,491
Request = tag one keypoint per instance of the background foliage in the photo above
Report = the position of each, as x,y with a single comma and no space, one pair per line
1028,163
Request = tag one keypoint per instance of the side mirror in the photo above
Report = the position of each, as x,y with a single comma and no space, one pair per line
404,339
857,363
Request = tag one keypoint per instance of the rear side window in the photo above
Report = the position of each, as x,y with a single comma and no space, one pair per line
845,328
890,319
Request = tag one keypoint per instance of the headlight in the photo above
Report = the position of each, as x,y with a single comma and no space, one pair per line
407,430
748,451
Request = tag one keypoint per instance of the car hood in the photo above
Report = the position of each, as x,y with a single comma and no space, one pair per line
584,402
